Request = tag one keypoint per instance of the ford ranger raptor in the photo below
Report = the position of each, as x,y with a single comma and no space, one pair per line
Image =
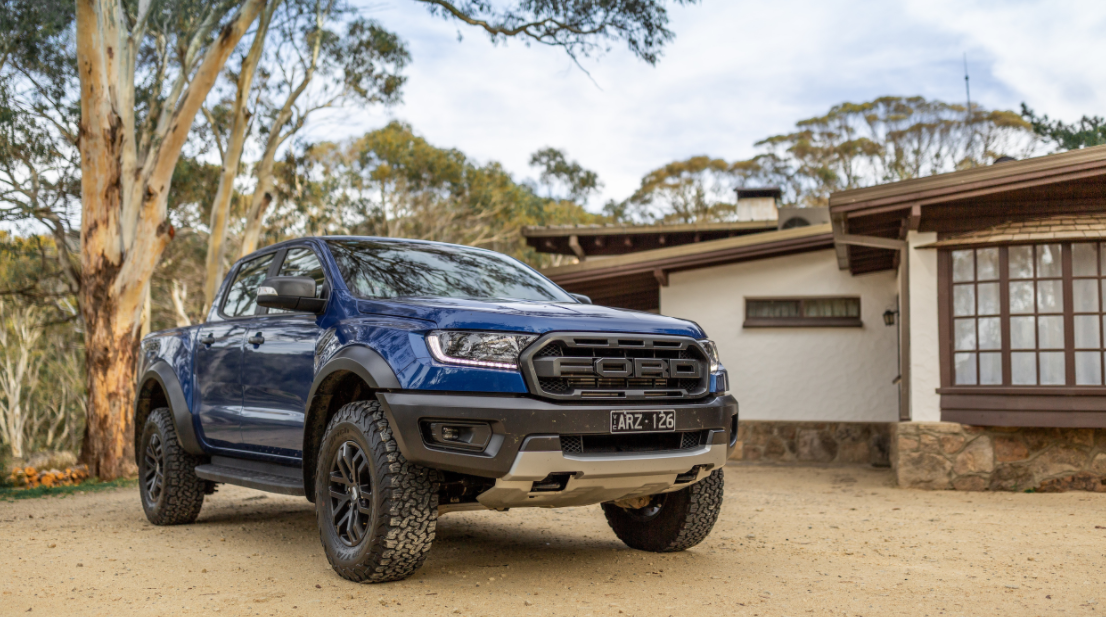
391,381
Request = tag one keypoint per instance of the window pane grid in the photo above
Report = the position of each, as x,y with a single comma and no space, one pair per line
1028,315
1088,312
977,328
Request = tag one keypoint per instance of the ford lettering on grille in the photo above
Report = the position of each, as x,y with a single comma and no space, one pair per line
643,368
583,366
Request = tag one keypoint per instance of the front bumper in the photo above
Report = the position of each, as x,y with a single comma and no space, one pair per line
513,419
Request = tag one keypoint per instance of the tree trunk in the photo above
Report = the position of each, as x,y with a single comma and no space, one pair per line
262,197
220,207
121,240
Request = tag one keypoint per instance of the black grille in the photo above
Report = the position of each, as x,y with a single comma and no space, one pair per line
572,444
639,442
691,440
577,375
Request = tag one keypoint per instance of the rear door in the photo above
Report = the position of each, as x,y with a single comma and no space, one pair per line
279,366
219,351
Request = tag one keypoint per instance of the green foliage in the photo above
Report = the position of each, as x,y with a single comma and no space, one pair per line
853,145
580,27
693,191
8,493
563,177
392,182
1087,131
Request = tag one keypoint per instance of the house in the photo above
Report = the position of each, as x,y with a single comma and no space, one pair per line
949,326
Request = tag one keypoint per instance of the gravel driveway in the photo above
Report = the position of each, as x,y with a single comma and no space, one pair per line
790,541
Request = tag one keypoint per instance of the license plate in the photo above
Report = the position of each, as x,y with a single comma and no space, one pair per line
643,421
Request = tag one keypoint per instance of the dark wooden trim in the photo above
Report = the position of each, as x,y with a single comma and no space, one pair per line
803,322
1038,419
944,316
983,180
661,275
1026,391
1067,286
904,338
1043,406
701,260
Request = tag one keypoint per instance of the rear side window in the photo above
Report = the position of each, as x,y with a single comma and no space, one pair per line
242,295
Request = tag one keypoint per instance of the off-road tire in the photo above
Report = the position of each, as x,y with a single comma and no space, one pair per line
177,499
404,513
672,521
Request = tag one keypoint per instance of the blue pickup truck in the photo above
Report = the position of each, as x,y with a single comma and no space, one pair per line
391,381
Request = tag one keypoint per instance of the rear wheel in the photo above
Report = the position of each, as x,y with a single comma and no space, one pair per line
172,493
376,511
670,522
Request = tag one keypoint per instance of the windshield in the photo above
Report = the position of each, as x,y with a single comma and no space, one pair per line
375,269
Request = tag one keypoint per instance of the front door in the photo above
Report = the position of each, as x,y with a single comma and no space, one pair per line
219,355
279,366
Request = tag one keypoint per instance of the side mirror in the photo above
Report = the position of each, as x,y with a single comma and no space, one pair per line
581,298
291,293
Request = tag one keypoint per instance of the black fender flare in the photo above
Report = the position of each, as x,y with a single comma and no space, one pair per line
163,374
359,359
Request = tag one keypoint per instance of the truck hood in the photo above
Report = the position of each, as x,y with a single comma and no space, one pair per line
529,316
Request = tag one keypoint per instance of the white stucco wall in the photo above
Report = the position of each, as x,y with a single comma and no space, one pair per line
808,374
925,360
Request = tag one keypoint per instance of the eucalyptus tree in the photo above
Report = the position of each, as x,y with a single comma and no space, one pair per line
39,161
315,67
145,67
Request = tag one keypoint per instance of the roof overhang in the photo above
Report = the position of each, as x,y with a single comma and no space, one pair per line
1065,183
591,240
660,262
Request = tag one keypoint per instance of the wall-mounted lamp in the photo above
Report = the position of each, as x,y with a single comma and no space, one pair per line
889,317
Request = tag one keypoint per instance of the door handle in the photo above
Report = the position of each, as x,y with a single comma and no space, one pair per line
208,339
256,339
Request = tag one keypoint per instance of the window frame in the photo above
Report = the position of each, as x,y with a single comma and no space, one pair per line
947,317
328,286
1066,405
233,274
803,322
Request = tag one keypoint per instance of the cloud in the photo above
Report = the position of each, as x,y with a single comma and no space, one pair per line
737,72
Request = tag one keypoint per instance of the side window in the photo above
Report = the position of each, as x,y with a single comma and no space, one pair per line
302,262
242,295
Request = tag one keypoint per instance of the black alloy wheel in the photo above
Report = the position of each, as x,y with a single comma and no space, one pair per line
171,492
376,511
351,494
155,465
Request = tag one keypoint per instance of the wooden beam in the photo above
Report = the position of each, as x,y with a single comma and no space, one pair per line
870,241
574,244
662,276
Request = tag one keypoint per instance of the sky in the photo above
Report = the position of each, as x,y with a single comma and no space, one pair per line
737,72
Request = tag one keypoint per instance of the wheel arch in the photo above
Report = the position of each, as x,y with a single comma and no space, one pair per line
159,387
354,373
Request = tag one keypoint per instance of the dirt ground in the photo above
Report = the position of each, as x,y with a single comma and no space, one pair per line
790,541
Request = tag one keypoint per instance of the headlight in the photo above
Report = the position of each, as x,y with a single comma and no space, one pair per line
486,349
712,353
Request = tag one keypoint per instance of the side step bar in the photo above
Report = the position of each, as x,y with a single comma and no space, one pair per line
254,474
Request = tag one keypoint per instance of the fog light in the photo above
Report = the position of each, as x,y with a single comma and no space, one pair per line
459,435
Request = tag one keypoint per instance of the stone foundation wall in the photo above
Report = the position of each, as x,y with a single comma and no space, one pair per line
814,442
944,455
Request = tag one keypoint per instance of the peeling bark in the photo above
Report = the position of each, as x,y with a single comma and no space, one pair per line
124,226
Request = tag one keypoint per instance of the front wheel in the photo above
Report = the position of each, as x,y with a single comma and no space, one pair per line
670,522
376,511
